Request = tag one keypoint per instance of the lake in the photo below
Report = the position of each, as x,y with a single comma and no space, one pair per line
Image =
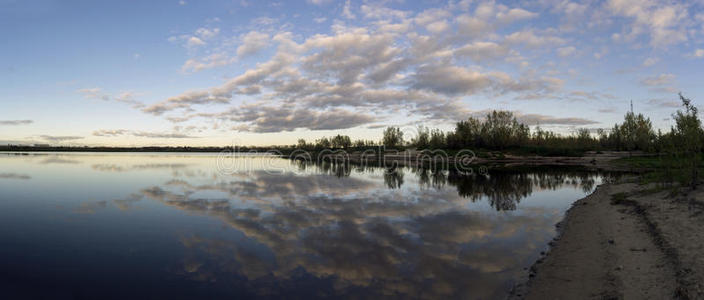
184,225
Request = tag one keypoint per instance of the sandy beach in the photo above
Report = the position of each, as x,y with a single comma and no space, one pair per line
641,246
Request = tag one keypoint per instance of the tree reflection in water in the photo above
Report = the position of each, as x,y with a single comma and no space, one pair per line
393,177
503,189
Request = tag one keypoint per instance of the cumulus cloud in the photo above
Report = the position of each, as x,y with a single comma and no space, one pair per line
15,122
194,41
451,80
395,61
197,39
211,61
276,119
515,15
252,42
347,10
529,38
207,33
482,51
663,21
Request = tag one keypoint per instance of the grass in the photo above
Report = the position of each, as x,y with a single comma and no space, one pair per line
663,172
619,198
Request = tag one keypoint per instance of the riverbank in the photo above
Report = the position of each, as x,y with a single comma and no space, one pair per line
624,241
591,160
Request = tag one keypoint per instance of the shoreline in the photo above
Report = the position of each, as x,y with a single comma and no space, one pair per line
623,241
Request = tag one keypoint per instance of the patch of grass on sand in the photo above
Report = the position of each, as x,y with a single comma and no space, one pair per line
619,198
664,170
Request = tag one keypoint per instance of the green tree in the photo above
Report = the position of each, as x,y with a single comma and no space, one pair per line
501,129
422,140
437,139
636,133
584,138
323,143
393,137
302,144
688,137
341,141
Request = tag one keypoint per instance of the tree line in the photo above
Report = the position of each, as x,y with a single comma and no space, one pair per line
500,130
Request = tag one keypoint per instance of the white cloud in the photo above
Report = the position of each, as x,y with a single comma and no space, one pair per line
319,2
482,51
211,61
207,33
399,61
531,39
347,10
650,61
431,16
665,22
515,15
698,53
252,42
382,12
194,42
437,27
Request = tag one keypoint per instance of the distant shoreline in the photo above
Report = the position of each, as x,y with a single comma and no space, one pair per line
601,161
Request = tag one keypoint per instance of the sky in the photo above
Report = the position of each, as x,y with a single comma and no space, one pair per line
215,73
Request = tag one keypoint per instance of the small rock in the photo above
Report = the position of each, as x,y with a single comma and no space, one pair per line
611,242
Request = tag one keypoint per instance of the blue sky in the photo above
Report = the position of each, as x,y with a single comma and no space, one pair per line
263,73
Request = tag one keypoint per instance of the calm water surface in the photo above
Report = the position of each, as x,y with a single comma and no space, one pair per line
169,226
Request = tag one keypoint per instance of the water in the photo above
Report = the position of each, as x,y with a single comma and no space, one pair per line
169,226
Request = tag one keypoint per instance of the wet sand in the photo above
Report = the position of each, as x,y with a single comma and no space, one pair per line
648,246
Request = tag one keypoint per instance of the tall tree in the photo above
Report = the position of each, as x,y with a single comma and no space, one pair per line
688,134
393,137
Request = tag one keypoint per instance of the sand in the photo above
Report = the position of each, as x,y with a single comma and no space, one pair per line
649,246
